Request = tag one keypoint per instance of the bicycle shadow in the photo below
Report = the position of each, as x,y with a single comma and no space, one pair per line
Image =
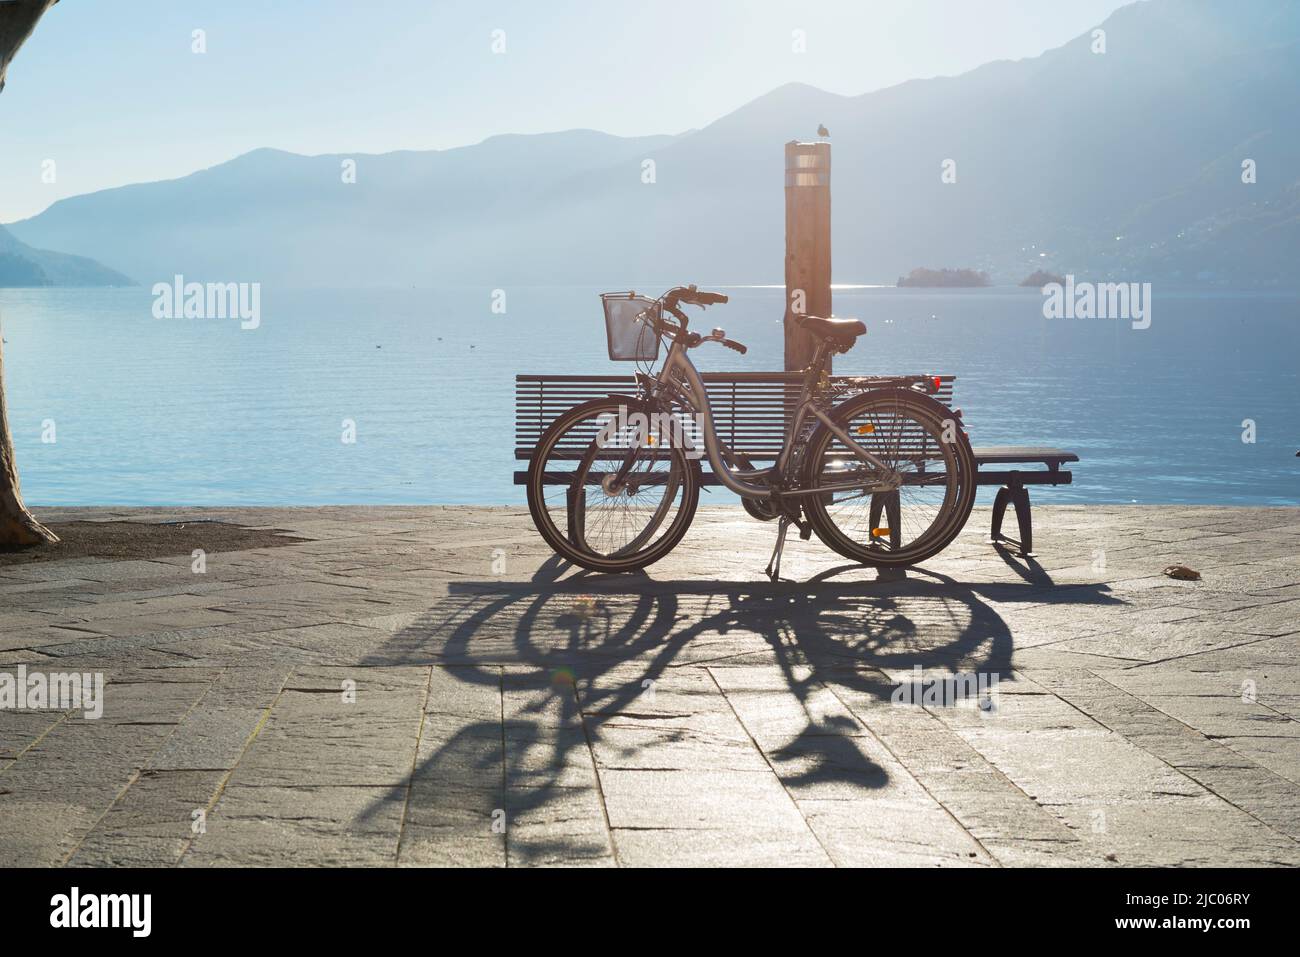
581,653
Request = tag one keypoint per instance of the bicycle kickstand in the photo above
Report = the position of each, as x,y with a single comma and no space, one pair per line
774,563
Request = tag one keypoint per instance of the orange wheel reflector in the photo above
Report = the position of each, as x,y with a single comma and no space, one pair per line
880,532
865,429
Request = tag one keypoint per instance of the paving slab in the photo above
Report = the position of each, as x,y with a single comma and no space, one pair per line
387,693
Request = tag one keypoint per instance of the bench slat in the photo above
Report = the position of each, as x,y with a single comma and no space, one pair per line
1039,477
1008,454
751,411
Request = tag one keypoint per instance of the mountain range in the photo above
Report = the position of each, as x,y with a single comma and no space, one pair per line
1122,164
21,265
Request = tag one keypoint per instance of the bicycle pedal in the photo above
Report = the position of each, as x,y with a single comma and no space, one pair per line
805,530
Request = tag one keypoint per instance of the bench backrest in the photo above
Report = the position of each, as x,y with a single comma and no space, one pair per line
750,409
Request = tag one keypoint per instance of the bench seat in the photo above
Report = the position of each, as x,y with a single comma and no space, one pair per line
750,410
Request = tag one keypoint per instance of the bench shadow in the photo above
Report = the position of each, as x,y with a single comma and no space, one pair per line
1026,566
580,656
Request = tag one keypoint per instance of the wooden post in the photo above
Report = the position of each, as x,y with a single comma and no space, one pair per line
807,244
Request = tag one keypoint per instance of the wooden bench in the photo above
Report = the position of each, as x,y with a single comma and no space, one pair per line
750,412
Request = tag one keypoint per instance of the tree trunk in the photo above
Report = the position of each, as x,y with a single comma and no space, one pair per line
17,21
17,525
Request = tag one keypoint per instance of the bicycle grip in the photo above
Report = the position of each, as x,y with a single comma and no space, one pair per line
710,298
733,344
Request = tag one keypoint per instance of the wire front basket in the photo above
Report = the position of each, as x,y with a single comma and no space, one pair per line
630,327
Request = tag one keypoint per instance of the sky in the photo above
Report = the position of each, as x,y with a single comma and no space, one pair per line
110,92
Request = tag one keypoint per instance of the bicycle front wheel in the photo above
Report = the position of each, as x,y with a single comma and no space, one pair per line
608,489
912,435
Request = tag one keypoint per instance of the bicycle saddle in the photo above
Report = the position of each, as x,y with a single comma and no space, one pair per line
843,329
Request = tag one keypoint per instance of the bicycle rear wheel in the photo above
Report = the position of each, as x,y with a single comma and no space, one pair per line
919,438
608,493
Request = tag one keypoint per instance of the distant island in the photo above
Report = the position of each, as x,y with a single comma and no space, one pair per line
949,278
1041,277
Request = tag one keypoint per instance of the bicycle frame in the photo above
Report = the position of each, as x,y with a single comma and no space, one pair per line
741,481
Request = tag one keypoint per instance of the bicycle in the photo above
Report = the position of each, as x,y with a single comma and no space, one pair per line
613,483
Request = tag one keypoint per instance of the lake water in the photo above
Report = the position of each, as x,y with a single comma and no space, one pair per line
200,412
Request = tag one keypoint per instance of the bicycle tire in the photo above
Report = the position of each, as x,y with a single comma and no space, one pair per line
959,493
684,474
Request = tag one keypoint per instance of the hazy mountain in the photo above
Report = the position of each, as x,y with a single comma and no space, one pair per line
271,216
21,265
1123,163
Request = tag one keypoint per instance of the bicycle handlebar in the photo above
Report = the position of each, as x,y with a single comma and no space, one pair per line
693,296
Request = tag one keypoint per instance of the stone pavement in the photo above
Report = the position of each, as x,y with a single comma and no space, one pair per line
429,686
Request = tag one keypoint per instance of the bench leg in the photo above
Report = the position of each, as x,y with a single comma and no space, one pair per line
888,503
1018,497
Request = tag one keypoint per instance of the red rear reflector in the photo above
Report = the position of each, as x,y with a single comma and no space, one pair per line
936,381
